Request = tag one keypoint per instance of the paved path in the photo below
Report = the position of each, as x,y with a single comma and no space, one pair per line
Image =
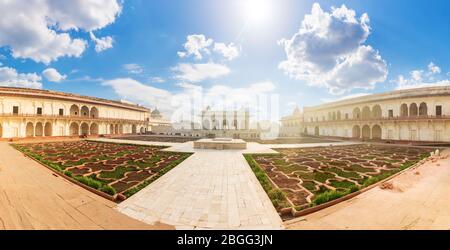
211,189
31,197
420,200
311,145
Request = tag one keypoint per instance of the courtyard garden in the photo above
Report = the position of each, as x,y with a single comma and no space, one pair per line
118,170
292,140
158,138
305,177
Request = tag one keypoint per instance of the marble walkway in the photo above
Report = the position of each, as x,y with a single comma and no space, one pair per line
212,189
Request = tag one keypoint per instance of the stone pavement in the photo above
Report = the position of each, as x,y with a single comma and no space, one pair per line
211,189
32,197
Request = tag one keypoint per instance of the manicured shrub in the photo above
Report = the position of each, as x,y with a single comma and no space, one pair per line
329,196
108,189
354,189
277,196
68,173
88,181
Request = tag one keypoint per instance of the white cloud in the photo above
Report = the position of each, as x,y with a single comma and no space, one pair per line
196,44
329,51
40,29
137,92
189,100
422,78
200,72
11,78
133,68
229,51
433,69
157,79
88,15
102,43
327,100
53,75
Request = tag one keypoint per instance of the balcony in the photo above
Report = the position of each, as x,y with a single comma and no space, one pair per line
69,117
385,119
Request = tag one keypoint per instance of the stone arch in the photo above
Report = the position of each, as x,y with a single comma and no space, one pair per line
111,129
142,130
93,129
116,129
39,129
29,129
404,110
365,132
74,129
74,110
48,129
339,116
376,132
94,112
356,132
366,113
356,113
334,116
84,111
84,129
133,129
423,109
316,131
120,129
413,110
376,111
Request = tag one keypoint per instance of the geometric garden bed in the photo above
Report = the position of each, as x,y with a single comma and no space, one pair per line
301,178
116,170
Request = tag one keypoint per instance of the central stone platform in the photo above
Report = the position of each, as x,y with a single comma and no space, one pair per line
220,144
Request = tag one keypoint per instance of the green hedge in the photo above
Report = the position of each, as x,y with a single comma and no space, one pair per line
276,195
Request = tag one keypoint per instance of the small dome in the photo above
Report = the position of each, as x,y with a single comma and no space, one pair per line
297,111
155,112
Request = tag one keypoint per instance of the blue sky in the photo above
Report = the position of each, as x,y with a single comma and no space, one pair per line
408,38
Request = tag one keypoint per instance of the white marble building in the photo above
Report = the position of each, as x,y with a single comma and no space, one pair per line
292,125
36,113
421,114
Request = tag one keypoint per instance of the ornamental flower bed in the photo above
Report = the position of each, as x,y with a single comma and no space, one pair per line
117,170
305,177
179,139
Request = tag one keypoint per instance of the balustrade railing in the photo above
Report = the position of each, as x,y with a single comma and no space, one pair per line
67,117
395,118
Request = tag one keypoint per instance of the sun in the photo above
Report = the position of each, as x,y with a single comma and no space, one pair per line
257,11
